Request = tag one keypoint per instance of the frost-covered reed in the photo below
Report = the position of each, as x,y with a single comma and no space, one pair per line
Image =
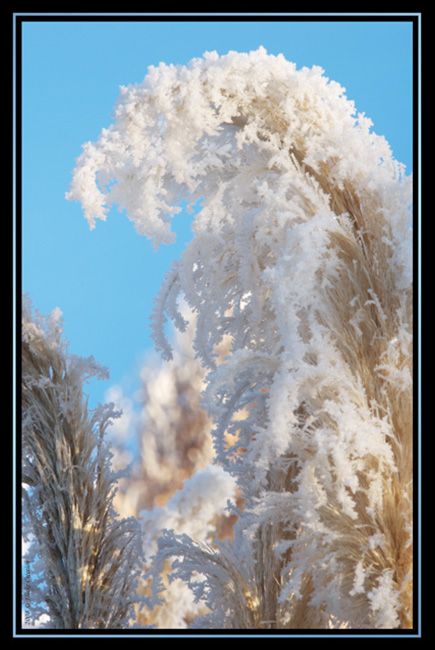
302,259
83,559
172,431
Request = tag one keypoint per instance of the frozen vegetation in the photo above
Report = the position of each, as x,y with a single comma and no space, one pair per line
298,282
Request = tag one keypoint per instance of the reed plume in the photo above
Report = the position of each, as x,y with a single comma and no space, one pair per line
83,557
302,259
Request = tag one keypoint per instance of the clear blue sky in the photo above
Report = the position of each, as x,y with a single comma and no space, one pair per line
105,281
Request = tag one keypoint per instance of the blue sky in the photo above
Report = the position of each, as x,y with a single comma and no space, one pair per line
105,280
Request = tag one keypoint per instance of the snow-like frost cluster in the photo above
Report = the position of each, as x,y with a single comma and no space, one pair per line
302,260
193,509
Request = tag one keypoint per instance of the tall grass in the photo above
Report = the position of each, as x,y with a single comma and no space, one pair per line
84,557
302,260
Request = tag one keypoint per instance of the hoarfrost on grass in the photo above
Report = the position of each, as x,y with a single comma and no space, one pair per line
302,262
